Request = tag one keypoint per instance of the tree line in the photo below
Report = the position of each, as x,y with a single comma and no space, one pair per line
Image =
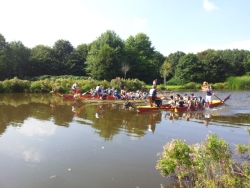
109,57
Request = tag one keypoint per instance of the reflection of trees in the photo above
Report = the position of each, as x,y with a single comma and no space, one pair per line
108,120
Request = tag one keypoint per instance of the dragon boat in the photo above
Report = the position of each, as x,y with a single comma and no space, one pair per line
98,99
214,103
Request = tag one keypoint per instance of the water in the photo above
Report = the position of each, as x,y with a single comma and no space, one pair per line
47,142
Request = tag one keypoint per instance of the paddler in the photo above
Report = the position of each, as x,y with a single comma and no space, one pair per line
153,99
209,93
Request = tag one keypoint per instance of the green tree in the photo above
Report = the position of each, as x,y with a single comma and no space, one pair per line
3,58
62,50
18,59
189,69
165,71
42,61
173,59
105,57
246,63
140,55
214,67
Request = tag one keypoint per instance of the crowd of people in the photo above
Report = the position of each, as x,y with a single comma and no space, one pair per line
174,100
123,94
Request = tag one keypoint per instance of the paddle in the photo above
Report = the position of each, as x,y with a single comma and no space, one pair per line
227,97
164,95
217,97
85,92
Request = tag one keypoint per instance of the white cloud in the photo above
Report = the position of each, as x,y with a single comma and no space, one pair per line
32,127
32,156
209,6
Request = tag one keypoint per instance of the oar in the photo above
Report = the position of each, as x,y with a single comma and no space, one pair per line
217,97
164,95
227,97
85,93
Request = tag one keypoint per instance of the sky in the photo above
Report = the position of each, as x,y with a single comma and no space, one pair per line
190,26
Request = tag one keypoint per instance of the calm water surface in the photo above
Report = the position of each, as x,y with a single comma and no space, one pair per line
47,142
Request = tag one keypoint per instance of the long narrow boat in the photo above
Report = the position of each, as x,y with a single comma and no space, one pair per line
214,103
95,99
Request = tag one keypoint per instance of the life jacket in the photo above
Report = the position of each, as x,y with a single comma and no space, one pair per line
209,93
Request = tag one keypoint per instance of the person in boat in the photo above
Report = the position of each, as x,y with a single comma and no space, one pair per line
194,97
117,95
172,101
209,93
177,98
98,90
74,87
153,97
122,87
201,101
185,98
190,102
181,102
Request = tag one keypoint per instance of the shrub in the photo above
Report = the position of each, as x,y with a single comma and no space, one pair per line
208,164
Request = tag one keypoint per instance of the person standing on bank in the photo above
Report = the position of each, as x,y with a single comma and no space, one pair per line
155,82
209,93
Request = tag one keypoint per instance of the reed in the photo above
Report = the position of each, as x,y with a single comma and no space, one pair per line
239,83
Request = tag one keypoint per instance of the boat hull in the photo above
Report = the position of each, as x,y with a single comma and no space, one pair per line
214,103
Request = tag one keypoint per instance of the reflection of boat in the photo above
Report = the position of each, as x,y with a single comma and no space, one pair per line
153,108
214,103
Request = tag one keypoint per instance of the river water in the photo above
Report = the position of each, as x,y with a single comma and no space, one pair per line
48,142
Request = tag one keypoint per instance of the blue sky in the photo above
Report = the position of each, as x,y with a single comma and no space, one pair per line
189,26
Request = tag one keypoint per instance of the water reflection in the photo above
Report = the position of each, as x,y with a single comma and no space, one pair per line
103,145
108,119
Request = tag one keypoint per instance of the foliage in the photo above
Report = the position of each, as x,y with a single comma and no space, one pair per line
208,164
219,85
189,69
175,81
242,82
243,149
109,57
173,59
143,59
192,85
105,56
14,85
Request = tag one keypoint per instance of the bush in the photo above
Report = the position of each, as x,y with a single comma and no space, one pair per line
242,82
208,164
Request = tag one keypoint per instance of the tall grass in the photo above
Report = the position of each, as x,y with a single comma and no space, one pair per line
239,83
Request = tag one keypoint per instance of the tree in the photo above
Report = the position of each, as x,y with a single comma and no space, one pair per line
165,71
189,69
3,58
125,68
247,63
18,59
42,61
62,50
215,69
105,56
173,59
140,55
